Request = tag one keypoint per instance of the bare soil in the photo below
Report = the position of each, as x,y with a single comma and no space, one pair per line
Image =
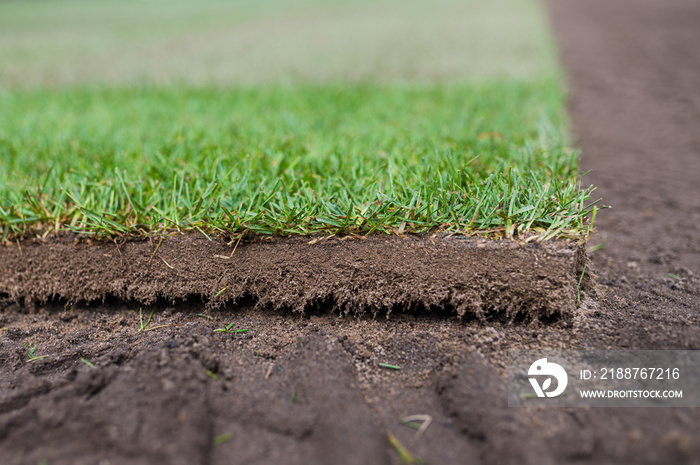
352,275
308,388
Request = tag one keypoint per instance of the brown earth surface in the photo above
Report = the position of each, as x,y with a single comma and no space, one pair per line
353,275
309,389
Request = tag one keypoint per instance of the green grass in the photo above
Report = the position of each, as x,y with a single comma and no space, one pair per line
31,355
405,456
386,365
222,438
228,329
143,325
284,161
352,120
578,287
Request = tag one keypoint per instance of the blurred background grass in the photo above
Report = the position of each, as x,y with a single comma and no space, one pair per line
244,42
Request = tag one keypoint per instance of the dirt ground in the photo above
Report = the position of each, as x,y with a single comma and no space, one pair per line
309,389
353,275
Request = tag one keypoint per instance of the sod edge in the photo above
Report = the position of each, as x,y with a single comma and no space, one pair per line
374,274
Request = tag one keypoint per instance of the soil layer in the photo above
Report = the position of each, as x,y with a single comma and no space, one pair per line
309,388
376,273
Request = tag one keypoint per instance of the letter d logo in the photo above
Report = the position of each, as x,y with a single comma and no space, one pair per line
542,367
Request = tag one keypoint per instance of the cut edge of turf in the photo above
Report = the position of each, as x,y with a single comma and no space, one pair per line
438,273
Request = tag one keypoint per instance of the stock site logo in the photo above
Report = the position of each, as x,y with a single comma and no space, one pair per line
543,368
